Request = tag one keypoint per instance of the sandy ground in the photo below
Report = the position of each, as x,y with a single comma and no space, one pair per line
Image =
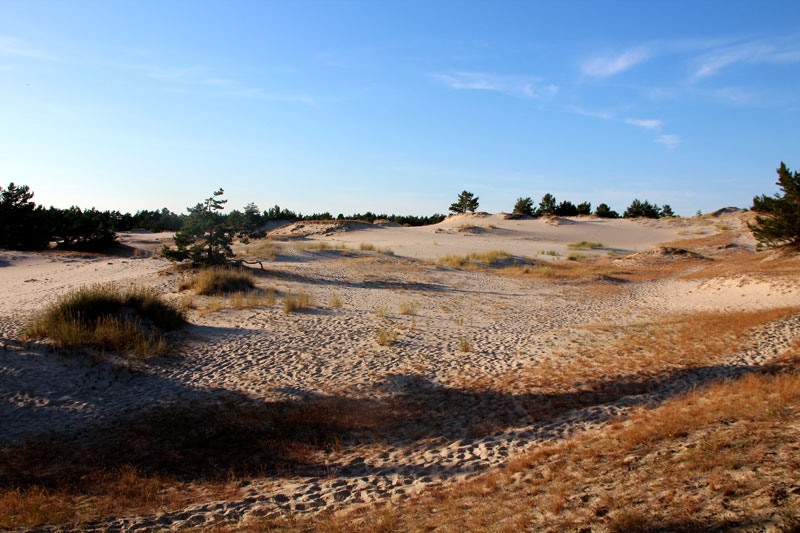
329,351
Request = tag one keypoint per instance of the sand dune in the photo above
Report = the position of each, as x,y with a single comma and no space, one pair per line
452,329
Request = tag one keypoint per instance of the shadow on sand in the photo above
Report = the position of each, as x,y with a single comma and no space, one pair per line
215,434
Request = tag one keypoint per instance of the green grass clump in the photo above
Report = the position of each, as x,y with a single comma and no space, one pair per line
129,320
221,280
584,245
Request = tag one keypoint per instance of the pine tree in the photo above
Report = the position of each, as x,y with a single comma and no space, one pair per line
466,202
548,205
203,239
524,206
23,225
778,223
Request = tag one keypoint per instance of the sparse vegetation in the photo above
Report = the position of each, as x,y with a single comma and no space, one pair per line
295,302
584,245
262,249
220,280
335,301
408,308
486,259
128,321
464,345
386,336
574,256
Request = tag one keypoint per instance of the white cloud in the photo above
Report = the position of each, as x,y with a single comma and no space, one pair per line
752,52
644,123
606,66
518,86
669,140
590,113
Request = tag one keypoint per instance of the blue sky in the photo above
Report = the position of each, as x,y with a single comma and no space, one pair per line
397,106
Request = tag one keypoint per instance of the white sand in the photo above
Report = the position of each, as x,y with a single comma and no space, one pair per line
265,354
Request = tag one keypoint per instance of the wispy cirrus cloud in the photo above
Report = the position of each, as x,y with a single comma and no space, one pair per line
199,78
670,140
517,86
649,123
778,51
610,65
10,46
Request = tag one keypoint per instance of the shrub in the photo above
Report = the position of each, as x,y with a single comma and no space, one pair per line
107,317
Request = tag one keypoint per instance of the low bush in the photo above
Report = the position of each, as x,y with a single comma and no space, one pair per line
129,320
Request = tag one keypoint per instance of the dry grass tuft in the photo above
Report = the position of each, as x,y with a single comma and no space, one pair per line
261,250
464,345
220,280
476,259
129,321
584,245
295,302
408,308
335,301
385,336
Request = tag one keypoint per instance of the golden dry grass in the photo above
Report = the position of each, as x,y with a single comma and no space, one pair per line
717,459
295,302
220,280
635,354
130,321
